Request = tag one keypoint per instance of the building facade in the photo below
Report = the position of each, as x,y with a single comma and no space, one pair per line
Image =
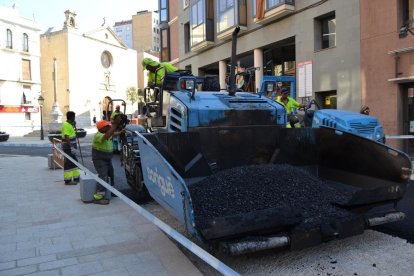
387,72
20,82
286,38
123,30
169,30
91,69
146,34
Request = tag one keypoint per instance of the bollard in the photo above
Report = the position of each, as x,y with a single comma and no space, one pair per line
87,188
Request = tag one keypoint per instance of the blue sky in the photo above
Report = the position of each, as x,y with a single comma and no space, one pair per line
90,13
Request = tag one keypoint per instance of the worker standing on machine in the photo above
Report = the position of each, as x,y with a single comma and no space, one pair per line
289,104
115,139
152,66
102,152
71,173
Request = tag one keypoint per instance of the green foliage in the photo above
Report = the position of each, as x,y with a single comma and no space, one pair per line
132,94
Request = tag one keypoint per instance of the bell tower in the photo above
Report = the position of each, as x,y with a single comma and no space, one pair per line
70,20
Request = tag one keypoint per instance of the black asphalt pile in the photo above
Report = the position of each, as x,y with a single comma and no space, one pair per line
252,188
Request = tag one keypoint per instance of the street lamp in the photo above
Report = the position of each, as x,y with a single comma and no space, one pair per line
41,100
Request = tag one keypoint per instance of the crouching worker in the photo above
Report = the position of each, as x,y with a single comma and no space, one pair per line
102,152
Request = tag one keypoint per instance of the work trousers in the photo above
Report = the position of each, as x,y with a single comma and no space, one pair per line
104,169
70,170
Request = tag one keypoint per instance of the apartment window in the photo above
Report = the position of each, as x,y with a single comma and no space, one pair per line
26,72
266,5
328,32
325,31
231,13
25,43
187,37
197,20
270,4
9,41
408,13
201,21
163,10
165,46
28,96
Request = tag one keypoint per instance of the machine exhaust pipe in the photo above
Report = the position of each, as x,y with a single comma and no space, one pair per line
232,78
253,245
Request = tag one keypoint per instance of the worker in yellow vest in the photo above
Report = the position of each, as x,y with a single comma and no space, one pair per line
152,66
289,104
102,152
71,173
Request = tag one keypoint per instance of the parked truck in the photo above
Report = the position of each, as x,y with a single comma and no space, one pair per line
226,167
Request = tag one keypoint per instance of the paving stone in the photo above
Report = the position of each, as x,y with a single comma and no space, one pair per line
149,268
116,272
17,254
82,269
31,229
19,270
34,243
97,257
8,247
45,273
36,260
7,265
57,264
55,248
47,230
88,243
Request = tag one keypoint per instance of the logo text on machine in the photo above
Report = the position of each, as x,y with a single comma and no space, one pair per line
163,183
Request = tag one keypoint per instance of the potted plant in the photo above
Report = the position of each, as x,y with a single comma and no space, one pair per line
4,136
80,133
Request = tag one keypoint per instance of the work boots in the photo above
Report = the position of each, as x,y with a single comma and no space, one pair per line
99,198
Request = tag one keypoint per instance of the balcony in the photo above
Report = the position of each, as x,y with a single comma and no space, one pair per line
201,25
275,9
229,15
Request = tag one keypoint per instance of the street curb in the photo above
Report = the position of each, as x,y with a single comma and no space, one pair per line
25,145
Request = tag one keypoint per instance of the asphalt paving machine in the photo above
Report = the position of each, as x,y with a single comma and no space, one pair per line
226,167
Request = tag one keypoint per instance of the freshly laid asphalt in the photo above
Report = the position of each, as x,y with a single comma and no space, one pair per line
45,228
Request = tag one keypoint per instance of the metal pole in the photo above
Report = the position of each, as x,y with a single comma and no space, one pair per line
41,123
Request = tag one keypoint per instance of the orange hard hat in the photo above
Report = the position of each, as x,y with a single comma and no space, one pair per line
101,124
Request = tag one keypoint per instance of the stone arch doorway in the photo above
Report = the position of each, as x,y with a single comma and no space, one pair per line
106,107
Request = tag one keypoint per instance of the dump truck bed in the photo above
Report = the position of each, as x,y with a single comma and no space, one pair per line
272,186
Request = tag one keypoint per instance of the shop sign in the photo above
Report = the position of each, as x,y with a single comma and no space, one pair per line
19,109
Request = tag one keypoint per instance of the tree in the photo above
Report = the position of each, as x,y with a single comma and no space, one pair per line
132,95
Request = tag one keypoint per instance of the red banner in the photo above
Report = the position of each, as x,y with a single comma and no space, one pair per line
19,109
